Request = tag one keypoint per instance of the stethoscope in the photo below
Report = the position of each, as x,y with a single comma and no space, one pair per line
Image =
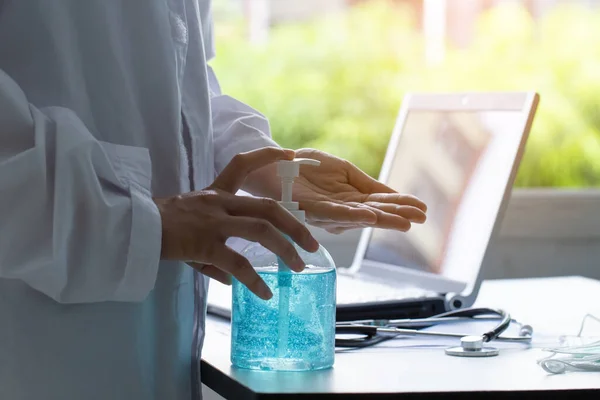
372,332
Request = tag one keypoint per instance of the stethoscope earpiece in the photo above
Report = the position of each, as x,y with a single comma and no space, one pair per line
526,330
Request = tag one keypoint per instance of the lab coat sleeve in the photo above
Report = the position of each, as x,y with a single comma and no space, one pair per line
77,219
237,127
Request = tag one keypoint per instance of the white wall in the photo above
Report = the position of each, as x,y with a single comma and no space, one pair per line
548,233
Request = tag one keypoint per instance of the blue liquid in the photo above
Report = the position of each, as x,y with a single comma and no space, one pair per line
255,323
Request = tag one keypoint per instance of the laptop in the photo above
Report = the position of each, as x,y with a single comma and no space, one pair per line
459,153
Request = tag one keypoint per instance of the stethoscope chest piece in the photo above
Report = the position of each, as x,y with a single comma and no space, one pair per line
472,346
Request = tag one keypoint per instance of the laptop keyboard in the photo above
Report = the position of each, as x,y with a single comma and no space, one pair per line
351,290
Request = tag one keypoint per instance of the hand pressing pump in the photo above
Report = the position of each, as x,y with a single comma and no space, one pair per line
295,329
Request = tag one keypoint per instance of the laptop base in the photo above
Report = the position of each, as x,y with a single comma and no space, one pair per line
392,309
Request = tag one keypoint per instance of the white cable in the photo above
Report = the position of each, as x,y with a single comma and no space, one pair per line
582,357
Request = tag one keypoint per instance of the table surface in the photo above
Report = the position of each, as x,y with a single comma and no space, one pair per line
553,306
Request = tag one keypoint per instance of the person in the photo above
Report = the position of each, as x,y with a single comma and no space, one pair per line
120,160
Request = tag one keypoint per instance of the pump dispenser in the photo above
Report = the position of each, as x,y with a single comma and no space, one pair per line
295,329
288,171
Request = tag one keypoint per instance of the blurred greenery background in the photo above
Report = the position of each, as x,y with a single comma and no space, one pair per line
336,82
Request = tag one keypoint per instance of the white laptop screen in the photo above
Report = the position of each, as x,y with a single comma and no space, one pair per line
459,163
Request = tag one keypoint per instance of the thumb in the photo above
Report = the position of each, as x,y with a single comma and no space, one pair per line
235,173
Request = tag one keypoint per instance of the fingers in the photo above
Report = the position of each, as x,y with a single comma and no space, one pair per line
263,232
240,166
339,217
273,212
390,221
398,199
233,263
353,213
411,213
212,272
326,216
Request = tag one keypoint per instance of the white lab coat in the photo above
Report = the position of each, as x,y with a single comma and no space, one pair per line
104,104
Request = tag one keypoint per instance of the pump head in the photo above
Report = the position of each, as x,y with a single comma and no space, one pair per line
288,170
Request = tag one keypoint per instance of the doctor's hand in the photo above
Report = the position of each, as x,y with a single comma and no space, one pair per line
338,196
196,225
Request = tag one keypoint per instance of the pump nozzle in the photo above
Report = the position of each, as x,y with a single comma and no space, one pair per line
288,170
291,168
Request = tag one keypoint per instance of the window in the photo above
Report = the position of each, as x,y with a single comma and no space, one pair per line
332,74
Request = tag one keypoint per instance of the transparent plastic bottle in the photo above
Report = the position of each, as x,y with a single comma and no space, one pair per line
298,336
295,329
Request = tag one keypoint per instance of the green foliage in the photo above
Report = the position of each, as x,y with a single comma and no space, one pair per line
336,83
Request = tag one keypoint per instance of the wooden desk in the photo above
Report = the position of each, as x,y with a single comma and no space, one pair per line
553,306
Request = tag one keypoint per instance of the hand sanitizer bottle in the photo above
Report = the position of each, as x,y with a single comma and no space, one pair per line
295,329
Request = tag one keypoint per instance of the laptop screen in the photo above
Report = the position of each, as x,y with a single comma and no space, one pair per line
459,163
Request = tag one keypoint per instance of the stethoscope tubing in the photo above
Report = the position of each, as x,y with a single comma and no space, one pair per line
369,329
416,322
372,330
389,329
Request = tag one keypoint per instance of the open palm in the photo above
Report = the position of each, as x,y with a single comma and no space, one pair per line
338,196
